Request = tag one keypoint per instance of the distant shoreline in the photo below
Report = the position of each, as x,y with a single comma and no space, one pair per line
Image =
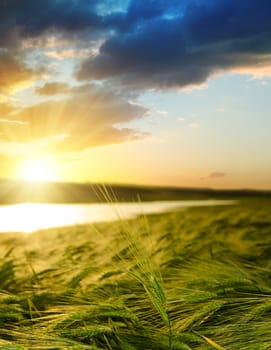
15,191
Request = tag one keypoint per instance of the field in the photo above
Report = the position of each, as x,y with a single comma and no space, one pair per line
194,279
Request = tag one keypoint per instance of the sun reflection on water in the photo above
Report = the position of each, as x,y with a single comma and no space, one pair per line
30,217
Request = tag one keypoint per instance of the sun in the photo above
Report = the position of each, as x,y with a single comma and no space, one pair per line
38,169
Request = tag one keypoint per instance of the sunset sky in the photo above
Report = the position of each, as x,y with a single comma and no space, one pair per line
160,92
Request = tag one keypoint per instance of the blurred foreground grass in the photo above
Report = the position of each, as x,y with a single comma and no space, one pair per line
194,279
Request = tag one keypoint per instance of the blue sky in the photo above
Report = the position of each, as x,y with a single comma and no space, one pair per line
152,92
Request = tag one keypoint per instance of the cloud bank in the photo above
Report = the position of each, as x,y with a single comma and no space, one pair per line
164,44
123,46
148,44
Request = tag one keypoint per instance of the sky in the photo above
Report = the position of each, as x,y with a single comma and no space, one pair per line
154,92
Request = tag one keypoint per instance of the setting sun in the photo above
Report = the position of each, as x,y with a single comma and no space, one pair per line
38,169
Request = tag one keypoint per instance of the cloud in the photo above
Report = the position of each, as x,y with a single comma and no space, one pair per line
221,110
5,109
145,44
194,125
14,74
161,112
181,119
69,53
216,175
175,44
35,18
53,88
89,116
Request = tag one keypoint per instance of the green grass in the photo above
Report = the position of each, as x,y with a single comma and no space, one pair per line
196,279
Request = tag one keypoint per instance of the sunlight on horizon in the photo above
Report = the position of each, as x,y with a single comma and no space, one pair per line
38,169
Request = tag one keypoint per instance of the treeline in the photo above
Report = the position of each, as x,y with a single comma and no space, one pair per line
13,191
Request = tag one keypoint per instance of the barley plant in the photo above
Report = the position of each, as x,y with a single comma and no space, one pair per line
190,280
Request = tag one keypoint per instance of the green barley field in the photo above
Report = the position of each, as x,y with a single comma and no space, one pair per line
195,279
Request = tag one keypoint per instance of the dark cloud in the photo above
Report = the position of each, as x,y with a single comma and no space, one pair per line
89,117
151,43
31,18
161,44
139,12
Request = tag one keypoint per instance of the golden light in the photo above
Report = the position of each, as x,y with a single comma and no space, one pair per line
38,169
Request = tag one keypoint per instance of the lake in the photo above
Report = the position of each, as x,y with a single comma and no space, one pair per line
30,217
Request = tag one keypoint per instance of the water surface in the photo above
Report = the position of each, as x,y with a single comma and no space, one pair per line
30,217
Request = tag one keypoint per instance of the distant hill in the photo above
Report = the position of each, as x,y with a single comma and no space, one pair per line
13,191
